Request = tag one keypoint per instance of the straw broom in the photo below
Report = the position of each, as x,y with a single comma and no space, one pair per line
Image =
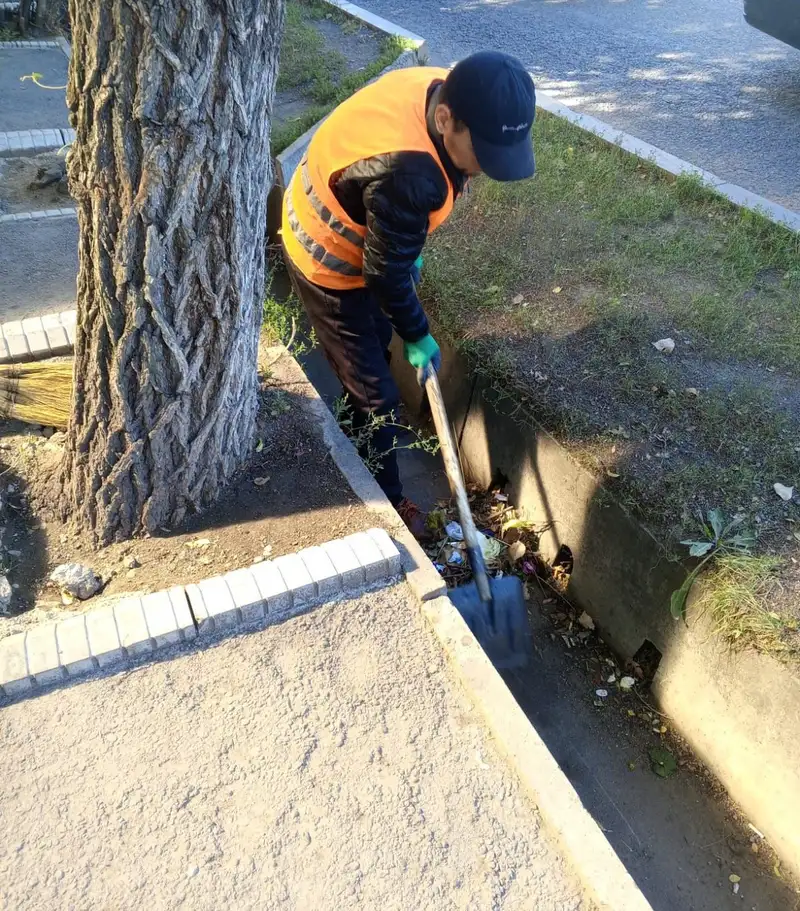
37,393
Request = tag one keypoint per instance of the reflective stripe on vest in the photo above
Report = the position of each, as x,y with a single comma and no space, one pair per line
320,254
323,242
325,213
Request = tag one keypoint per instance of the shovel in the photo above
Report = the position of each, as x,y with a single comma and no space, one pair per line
494,609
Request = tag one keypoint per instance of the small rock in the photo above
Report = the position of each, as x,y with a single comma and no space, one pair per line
131,562
131,574
192,872
47,432
586,621
267,552
15,553
5,595
76,580
784,492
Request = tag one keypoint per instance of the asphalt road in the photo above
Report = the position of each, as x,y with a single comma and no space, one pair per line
689,76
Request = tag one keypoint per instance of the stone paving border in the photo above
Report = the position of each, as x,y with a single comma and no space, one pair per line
28,45
38,214
38,337
415,41
24,142
255,596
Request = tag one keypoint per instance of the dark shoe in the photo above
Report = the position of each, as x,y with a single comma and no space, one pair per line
414,518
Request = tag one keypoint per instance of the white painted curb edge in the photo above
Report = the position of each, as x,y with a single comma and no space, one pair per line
248,598
670,163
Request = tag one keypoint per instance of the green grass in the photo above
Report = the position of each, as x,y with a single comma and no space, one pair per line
321,73
737,593
556,288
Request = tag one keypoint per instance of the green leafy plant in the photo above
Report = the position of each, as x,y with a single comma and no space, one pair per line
718,538
362,436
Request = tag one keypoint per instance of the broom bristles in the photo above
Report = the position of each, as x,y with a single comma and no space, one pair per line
38,393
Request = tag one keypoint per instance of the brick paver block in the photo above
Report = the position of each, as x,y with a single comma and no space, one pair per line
160,618
134,635
73,646
246,595
273,588
297,579
198,608
322,571
104,644
343,557
221,611
388,549
42,651
14,676
369,556
183,614
58,340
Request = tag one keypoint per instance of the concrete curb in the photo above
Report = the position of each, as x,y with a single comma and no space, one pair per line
379,23
602,873
26,142
670,164
595,862
28,45
38,214
254,596
38,337
421,574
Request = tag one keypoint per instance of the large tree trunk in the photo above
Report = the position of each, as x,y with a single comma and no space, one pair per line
171,102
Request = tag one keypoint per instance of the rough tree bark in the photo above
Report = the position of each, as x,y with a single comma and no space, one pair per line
171,102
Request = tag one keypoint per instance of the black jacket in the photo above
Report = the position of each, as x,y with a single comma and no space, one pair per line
393,195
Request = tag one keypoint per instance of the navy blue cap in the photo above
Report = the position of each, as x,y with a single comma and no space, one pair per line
494,96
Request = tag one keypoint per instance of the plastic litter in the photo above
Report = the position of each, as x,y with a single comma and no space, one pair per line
454,531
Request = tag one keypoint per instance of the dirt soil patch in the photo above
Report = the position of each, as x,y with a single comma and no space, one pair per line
558,289
291,495
33,183
326,56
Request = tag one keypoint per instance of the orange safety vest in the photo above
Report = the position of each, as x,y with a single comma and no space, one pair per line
389,115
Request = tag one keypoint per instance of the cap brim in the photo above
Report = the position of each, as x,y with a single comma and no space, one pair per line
514,162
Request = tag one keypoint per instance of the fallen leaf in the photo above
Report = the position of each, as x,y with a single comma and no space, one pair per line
665,345
632,766
602,693
785,493
734,878
627,683
556,290
662,762
259,445
518,299
260,482
612,474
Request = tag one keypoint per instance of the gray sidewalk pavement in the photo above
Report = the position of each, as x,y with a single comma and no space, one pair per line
38,267
329,762
24,105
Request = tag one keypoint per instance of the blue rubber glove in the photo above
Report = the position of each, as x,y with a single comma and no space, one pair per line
416,270
423,355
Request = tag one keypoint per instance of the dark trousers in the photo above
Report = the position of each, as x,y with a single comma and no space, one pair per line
355,335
